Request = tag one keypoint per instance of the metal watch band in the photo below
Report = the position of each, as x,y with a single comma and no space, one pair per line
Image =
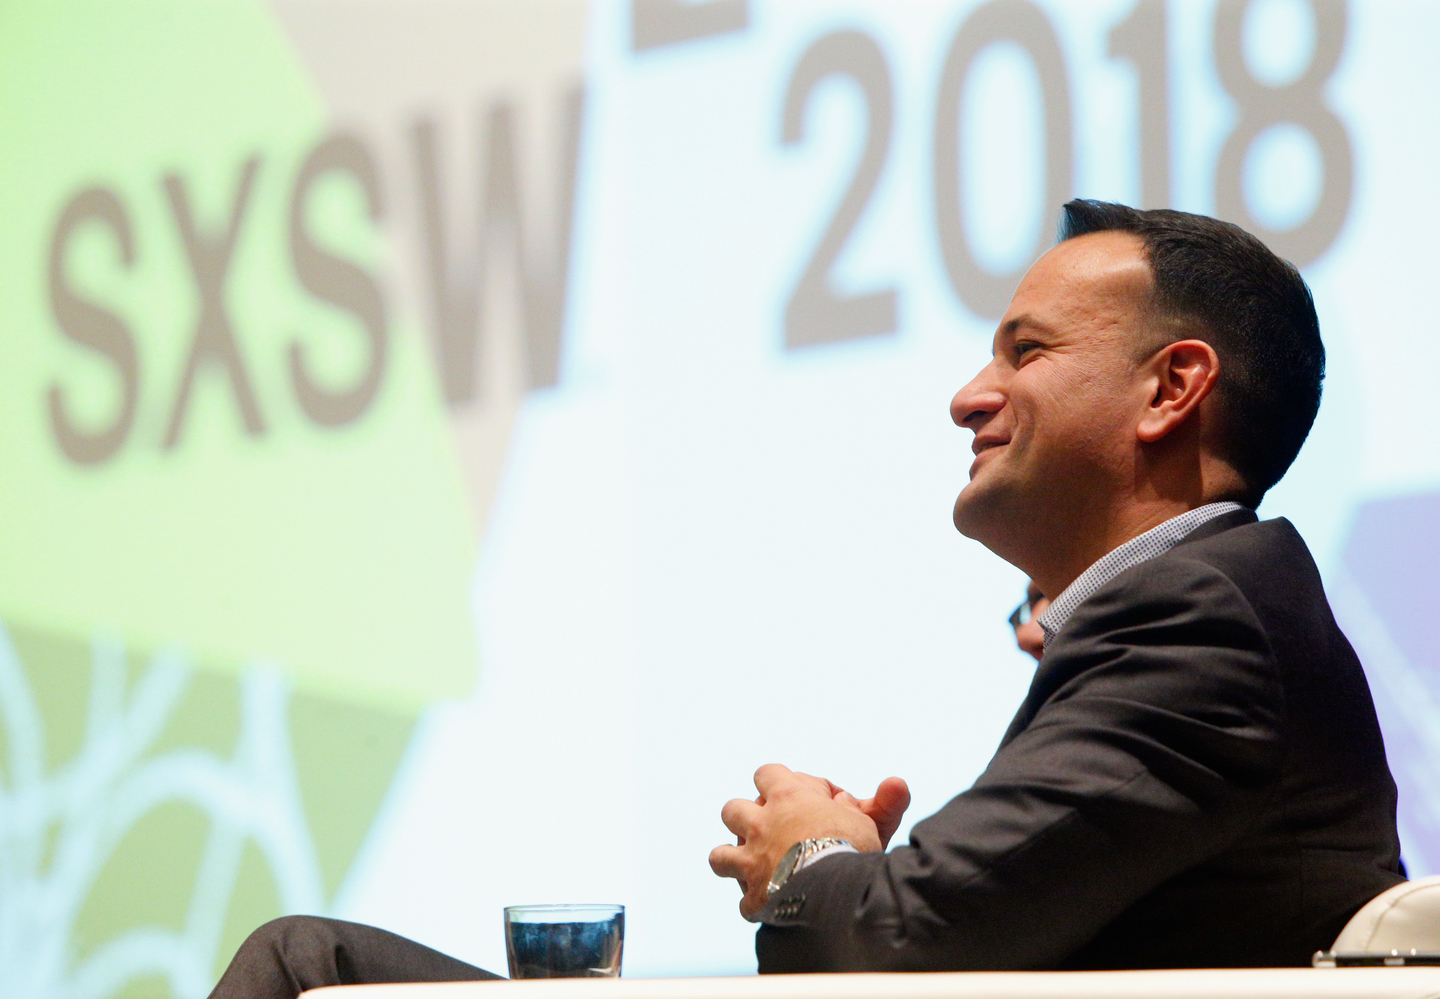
797,855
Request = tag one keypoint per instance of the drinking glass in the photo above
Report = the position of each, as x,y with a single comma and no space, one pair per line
564,941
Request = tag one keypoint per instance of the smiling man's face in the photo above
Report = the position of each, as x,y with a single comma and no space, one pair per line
1055,411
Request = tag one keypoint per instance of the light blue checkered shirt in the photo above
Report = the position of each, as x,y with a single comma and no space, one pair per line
1141,548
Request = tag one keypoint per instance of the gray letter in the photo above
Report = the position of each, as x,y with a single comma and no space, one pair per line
458,311
91,326
1020,21
338,282
665,22
1301,102
815,314
214,337
454,303
1142,39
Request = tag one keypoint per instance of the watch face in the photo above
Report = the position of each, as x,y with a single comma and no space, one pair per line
786,867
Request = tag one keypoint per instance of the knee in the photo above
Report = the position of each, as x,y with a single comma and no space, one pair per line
284,957
281,935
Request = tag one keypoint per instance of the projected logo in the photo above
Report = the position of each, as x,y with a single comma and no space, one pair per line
268,319
1382,599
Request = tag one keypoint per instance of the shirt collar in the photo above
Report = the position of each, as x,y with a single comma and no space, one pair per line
1141,548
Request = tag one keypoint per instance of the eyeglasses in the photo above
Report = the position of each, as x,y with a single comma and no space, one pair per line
1025,613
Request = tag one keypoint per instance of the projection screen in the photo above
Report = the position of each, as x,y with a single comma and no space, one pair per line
448,446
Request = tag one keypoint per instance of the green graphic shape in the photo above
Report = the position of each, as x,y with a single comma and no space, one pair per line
152,815
227,520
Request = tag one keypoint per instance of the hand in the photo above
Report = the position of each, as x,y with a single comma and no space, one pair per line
891,799
791,807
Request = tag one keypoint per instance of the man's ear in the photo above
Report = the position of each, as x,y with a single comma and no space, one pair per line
1183,374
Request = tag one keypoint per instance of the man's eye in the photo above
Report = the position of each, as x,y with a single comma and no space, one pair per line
1024,347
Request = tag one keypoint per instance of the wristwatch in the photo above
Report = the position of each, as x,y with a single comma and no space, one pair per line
796,857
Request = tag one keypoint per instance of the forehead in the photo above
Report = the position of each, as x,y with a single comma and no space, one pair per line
1098,281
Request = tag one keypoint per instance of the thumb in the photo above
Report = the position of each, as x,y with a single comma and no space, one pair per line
888,806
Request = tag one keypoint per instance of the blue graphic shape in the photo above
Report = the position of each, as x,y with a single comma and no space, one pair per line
1393,553
1385,599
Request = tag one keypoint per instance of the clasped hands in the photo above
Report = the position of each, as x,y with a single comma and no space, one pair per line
792,807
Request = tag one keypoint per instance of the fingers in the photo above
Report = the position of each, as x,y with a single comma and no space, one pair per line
771,778
820,783
740,816
752,903
728,862
817,784
734,862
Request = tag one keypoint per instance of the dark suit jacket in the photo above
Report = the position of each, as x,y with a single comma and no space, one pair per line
1196,778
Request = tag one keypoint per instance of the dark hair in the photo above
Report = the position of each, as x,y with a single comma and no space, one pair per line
1248,304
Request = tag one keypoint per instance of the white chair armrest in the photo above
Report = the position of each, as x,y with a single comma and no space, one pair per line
1404,918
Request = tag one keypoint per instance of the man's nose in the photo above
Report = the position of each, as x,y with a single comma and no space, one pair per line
978,400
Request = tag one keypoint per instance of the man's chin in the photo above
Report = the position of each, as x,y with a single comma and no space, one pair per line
986,511
971,514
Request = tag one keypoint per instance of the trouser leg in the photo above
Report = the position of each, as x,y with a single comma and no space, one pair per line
286,956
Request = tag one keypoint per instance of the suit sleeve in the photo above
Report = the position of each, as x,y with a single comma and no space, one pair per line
1150,738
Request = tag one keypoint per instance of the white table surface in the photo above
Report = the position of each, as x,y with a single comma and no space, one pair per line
1265,983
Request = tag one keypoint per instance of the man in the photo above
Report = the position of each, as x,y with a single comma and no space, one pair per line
1025,620
1196,777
